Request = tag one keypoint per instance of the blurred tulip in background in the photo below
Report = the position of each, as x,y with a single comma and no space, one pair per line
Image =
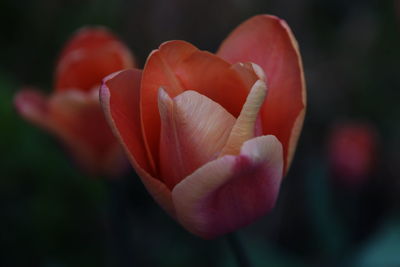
72,112
352,151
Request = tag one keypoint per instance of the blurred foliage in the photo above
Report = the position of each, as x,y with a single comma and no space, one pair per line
383,247
52,215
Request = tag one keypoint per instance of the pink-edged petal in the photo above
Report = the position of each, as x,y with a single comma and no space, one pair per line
119,96
268,41
90,55
193,131
178,66
232,191
32,105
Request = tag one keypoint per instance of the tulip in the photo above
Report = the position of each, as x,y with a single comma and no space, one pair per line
352,149
72,112
212,135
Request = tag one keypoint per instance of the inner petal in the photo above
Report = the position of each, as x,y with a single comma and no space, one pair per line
245,126
194,130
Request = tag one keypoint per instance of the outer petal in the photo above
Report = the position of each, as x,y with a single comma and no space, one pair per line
32,105
194,129
119,96
178,66
88,57
231,191
268,41
76,118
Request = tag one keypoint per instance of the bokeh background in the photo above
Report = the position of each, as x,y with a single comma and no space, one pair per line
52,215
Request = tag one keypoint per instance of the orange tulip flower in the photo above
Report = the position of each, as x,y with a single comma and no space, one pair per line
211,135
72,112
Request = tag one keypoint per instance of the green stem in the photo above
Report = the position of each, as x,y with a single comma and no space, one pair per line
238,250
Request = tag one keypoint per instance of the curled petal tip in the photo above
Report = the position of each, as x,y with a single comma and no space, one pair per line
244,128
259,72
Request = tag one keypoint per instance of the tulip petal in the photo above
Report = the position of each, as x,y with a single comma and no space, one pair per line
76,118
32,105
88,57
178,66
268,41
123,117
232,191
194,129
245,125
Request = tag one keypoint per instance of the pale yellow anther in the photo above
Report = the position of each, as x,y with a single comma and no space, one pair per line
244,126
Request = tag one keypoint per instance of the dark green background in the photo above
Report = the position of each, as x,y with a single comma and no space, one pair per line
54,216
